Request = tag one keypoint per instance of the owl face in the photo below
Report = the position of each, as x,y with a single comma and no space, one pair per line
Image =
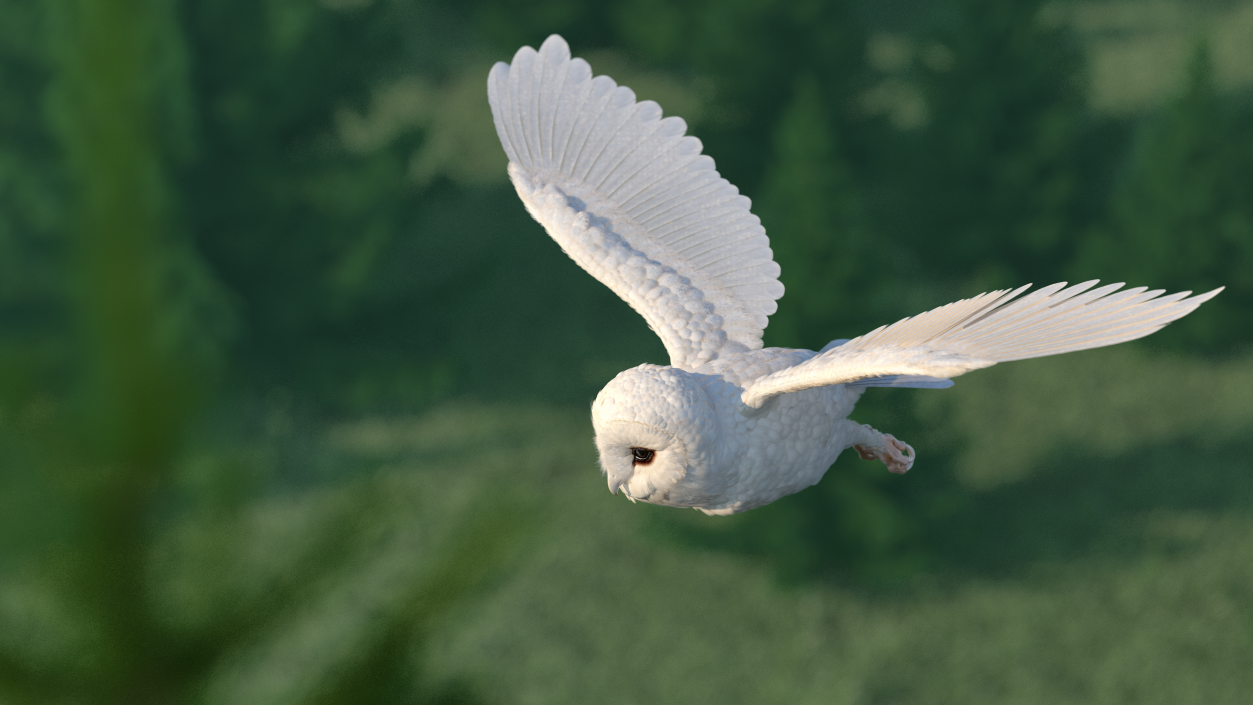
653,425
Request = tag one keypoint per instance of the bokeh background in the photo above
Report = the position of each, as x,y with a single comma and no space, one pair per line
293,393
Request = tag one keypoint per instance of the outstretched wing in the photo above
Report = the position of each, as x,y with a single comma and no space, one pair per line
635,203
926,350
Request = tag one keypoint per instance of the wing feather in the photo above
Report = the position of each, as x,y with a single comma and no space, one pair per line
520,86
579,144
571,103
926,350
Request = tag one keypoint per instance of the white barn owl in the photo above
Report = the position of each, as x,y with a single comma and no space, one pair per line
730,425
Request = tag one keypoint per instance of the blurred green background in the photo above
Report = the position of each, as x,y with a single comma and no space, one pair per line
293,393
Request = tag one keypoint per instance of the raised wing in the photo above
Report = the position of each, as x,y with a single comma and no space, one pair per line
928,349
635,203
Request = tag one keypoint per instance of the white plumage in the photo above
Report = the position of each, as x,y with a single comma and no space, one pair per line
730,426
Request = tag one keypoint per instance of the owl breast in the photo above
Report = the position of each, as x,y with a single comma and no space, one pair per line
785,450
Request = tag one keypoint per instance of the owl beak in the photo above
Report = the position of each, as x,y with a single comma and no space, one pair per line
617,472
618,482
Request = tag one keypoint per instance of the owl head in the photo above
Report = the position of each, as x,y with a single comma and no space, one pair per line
655,426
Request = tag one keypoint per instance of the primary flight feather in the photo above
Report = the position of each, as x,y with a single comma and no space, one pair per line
730,426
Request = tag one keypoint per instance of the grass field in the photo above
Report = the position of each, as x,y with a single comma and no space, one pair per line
1098,549
1103,553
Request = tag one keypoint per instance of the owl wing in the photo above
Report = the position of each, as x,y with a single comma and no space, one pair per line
928,349
635,203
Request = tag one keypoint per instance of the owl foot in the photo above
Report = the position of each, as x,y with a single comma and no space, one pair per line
892,454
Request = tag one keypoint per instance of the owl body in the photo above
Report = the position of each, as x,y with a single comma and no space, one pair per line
712,452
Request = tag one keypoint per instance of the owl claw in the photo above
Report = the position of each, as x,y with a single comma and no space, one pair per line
892,454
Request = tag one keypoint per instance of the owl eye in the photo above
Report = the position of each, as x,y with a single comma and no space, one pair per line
641,456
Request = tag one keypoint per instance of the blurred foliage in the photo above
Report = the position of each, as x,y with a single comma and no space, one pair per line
337,174
224,224
1000,179
95,439
1098,551
1181,217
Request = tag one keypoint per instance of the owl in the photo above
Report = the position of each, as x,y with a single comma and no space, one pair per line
728,425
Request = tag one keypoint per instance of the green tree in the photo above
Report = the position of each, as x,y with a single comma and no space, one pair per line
32,206
1182,217
814,208
997,184
292,221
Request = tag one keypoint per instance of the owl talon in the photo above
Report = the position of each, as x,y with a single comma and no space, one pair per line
892,454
